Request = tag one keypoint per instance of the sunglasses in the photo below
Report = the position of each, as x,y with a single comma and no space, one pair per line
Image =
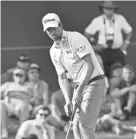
109,8
19,75
33,72
43,114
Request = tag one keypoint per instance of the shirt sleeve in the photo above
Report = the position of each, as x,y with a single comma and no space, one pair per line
125,25
92,28
82,46
56,62
22,132
3,89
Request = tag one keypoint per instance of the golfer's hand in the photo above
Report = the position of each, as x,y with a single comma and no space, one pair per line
68,109
78,99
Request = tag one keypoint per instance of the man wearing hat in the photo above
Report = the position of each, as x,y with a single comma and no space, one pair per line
41,95
74,59
22,62
106,33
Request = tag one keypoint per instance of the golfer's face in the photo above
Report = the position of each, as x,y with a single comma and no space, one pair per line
54,33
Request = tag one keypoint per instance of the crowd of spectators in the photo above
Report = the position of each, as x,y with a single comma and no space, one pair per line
25,104
22,92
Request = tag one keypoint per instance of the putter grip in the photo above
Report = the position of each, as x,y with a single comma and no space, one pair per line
73,113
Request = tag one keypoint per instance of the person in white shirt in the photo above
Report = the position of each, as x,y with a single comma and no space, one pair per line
16,101
74,58
106,32
38,126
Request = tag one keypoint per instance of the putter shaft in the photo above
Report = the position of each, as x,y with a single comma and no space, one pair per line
71,120
70,124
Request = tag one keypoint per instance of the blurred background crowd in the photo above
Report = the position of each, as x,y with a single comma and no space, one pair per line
32,105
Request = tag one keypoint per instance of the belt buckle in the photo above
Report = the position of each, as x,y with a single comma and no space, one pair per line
103,76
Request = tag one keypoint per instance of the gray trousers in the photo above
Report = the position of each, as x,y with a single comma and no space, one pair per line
86,118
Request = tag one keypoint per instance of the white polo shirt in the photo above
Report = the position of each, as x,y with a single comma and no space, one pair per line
30,127
99,25
17,92
66,56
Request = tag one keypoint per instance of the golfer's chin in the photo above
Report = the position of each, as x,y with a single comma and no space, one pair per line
54,38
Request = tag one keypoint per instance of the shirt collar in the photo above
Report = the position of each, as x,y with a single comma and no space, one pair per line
64,38
105,17
35,124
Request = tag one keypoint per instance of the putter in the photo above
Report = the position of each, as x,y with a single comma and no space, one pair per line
71,120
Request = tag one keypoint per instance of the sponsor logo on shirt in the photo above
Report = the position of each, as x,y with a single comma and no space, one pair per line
80,49
68,51
64,37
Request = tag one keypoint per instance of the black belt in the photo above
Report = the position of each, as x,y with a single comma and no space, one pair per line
96,78
92,80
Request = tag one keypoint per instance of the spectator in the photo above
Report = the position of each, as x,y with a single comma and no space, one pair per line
60,119
110,29
41,95
116,75
124,93
116,70
38,126
22,62
108,123
17,96
115,78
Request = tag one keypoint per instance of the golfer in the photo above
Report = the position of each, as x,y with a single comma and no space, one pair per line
74,58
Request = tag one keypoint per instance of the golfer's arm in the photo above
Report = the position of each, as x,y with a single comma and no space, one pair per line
87,73
65,87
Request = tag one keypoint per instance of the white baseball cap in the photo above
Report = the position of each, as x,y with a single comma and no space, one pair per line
50,20
19,71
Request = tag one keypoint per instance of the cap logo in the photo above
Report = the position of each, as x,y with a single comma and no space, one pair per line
48,20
